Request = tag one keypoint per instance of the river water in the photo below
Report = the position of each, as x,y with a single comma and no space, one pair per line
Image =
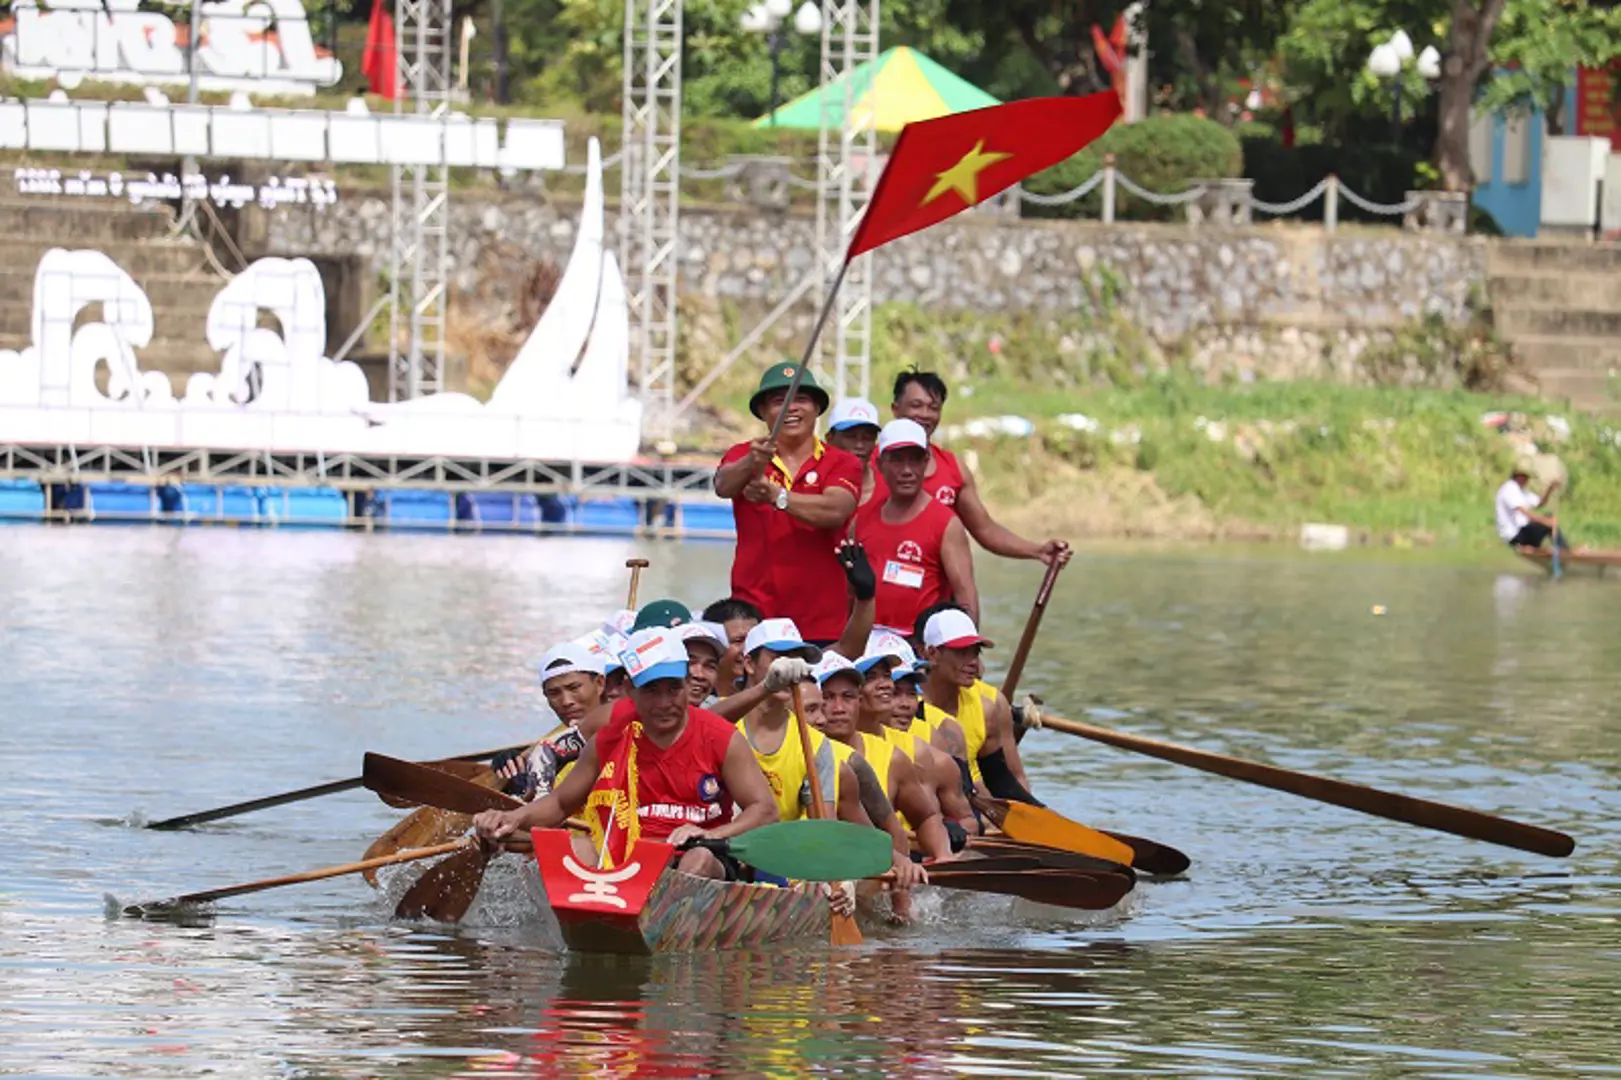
146,672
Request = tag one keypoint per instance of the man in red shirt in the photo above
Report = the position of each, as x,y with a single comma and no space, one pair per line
791,500
918,547
695,774
920,396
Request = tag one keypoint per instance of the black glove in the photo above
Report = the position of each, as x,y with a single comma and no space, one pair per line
505,758
857,570
957,834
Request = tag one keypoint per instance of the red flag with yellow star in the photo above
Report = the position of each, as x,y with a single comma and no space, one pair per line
942,167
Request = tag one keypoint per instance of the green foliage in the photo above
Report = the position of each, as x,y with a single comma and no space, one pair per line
1164,154
1539,44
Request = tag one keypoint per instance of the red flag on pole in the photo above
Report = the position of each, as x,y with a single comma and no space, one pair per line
942,167
378,63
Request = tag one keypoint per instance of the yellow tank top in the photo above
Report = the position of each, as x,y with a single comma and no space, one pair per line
784,768
906,742
880,754
970,716
841,755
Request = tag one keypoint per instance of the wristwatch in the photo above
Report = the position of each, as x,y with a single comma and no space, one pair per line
782,499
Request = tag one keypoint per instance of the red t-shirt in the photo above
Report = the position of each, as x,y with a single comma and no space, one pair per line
944,483
679,785
785,567
907,560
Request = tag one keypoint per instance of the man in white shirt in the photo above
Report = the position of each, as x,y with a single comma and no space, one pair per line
1517,521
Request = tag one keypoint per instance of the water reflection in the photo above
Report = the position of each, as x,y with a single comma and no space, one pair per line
155,671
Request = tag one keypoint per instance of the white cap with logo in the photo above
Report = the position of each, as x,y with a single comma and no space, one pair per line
952,629
853,412
707,633
653,654
571,658
899,433
782,637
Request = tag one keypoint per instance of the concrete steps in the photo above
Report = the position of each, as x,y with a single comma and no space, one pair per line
1559,305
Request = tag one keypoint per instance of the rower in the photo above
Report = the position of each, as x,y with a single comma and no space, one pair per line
1517,521
791,500
935,768
852,426
952,687
661,614
918,544
706,644
920,396
846,718
737,618
684,772
572,680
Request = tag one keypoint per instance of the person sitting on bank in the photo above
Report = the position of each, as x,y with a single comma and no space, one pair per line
791,500
921,396
852,426
1518,523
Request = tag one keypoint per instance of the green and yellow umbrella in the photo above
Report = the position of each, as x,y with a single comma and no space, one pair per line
900,86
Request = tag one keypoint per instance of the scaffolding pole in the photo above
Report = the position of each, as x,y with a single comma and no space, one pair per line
846,172
418,256
650,177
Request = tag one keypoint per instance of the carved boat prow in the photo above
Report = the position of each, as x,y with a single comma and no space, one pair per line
643,907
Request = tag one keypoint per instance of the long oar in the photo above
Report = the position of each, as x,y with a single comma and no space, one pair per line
430,787
845,930
1085,890
811,850
1039,825
169,906
986,849
1031,624
1386,804
313,792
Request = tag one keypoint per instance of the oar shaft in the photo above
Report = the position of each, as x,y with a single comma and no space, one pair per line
410,855
1031,625
314,792
1386,804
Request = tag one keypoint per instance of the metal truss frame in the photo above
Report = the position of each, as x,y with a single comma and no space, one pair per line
650,193
418,248
846,172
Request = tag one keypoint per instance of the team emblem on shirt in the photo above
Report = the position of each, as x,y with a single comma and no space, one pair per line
946,496
909,551
709,788
810,477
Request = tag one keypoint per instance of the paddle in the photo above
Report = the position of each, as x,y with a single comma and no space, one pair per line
845,930
810,850
430,787
1039,825
446,890
159,908
301,794
473,771
1031,624
635,566
1081,889
1046,858
1386,804
423,827
1557,573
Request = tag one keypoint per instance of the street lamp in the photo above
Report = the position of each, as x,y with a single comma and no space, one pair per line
1387,61
767,17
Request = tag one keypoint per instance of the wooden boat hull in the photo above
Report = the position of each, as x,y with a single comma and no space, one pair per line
1596,563
641,907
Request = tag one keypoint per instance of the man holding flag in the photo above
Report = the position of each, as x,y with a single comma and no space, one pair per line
664,770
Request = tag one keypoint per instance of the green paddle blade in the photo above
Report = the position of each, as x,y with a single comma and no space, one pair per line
815,850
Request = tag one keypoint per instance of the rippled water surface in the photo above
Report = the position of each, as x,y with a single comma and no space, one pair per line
150,672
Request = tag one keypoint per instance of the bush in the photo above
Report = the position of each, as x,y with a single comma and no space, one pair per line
1164,154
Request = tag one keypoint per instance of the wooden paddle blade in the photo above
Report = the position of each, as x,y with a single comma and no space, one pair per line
988,864
1039,825
1077,889
447,890
845,931
1386,804
475,772
421,828
1152,857
1045,858
815,850
430,787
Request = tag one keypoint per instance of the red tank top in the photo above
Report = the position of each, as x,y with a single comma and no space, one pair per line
679,785
943,484
907,560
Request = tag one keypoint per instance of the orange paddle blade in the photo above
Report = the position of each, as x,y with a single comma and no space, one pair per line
1038,825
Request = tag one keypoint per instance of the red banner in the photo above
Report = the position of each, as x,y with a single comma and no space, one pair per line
1597,112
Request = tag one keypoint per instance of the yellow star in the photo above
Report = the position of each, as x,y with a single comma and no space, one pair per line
962,176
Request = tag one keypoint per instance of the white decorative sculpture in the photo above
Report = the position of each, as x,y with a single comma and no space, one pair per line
564,397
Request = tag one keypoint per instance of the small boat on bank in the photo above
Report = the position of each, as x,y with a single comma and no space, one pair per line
1597,563
638,908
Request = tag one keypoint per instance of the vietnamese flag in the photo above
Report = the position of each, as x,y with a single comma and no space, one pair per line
381,57
942,167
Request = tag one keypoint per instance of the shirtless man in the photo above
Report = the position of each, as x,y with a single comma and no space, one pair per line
680,751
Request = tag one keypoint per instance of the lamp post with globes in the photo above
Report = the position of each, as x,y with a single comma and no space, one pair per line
767,17
1387,62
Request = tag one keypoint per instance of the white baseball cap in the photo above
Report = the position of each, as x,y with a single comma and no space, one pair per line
605,645
782,637
907,671
620,622
853,412
705,632
952,629
653,654
884,642
899,433
832,663
572,658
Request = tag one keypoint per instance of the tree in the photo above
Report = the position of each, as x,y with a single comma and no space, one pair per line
1538,46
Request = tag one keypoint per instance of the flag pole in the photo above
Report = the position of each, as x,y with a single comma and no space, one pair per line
810,348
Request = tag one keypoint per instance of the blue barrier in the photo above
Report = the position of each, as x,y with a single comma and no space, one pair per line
607,515
701,517
184,503
411,508
109,502
21,500
304,508
500,509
